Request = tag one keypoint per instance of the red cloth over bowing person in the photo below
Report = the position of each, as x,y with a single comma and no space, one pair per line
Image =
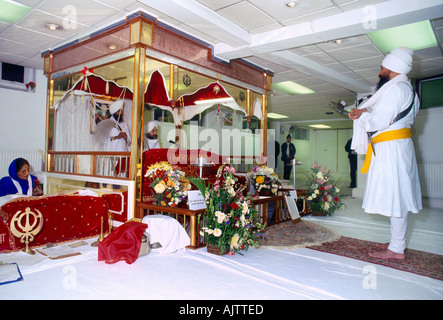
122,244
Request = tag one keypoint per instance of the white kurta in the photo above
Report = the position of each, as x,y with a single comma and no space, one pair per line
120,144
392,186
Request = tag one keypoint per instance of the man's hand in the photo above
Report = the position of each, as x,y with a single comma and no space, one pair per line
356,113
121,135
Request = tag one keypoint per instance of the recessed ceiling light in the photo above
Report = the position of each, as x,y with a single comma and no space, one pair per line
290,87
320,126
11,11
52,26
112,46
418,35
276,116
291,4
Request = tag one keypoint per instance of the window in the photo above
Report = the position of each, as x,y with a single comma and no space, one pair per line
13,72
15,77
430,92
299,133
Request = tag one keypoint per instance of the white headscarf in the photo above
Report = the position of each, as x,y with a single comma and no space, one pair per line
399,60
116,106
150,143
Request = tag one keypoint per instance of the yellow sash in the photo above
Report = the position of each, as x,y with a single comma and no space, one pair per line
382,137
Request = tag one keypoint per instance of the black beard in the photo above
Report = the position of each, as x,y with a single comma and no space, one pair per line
382,81
151,136
117,117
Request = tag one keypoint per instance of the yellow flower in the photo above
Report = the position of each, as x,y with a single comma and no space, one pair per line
260,179
171,183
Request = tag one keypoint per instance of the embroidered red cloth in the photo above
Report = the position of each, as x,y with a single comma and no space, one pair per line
123,244
66,217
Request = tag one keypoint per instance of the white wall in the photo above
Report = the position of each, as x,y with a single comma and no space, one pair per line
23,117
428,132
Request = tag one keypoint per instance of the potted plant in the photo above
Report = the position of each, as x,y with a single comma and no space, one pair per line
323,195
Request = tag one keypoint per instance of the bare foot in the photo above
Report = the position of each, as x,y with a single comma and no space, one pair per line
382,246
387,254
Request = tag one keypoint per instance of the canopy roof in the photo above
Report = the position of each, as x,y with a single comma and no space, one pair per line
156,94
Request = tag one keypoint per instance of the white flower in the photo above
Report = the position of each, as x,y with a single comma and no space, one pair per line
231,191
243,220
234,241
159,188
245,207
217,232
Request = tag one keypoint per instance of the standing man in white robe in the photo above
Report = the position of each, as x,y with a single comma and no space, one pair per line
120,136
392,187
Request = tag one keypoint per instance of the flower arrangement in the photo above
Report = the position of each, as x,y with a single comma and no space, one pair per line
264,180
170,185
230,222
323,194
30,85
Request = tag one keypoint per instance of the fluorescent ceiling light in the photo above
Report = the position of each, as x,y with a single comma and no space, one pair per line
11,11
320,126
214,101
416,36
276,116
290,87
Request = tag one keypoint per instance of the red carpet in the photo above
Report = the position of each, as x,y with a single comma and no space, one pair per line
418,262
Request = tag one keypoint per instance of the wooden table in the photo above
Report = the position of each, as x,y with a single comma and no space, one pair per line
192,214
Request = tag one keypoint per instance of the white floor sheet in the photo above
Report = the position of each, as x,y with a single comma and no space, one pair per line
259,274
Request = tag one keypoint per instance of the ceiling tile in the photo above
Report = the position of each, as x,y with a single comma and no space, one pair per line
355,53
366,63
83,11
217,4
246,15
345,43
311,16
28,36
305,50
15,47
37,21
321,58
280,12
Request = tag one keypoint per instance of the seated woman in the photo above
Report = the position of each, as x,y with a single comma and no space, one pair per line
20,180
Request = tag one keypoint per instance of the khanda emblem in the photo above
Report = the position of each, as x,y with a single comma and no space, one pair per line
186,80
216,89
26,225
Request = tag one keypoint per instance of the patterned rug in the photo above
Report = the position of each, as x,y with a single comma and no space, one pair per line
418,262
287,235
